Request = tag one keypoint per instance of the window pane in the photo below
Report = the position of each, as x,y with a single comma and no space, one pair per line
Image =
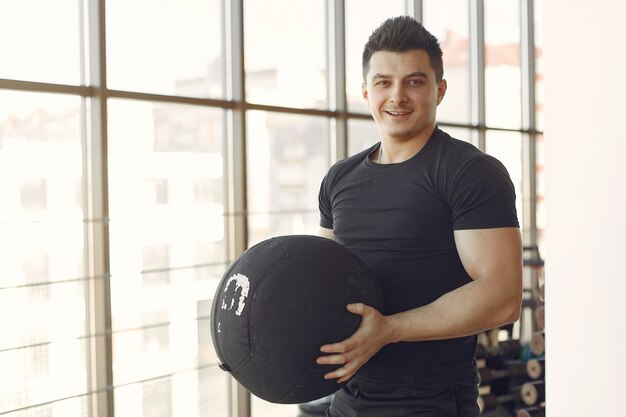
261,408
75,407
43,355
361,135
175,48
448,21
362,18
288,155
201,393
40,41
502,59
466,135
285,44
168,252
507,148
43,287
213,392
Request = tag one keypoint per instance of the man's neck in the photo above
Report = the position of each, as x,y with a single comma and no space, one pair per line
395,150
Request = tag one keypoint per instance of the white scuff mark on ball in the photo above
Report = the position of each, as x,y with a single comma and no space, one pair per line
242,284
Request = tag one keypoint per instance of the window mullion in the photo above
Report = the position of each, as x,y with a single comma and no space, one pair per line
477,68
235,166
336,67
414,8
97,213
529,122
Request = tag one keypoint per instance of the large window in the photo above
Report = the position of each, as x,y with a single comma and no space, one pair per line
167,248
286,65
144,145
172,48
449,21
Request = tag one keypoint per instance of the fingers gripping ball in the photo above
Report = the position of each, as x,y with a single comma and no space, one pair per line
277,304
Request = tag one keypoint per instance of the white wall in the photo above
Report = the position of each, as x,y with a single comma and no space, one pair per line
585,132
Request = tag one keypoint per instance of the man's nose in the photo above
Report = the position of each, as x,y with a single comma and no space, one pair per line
398,95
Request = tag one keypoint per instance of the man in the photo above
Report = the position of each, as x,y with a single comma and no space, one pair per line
435,220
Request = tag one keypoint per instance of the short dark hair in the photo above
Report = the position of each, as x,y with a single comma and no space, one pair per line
399,34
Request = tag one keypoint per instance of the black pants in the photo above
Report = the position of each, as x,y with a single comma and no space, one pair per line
357,399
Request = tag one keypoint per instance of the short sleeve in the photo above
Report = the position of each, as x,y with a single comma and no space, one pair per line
325,206
483,196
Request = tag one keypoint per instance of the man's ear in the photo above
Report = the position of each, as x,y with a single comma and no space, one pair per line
364,91
441,90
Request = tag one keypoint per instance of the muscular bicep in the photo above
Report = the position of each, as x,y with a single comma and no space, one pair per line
493,255
493,258
327,233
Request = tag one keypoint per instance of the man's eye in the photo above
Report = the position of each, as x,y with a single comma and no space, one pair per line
416,82
382,83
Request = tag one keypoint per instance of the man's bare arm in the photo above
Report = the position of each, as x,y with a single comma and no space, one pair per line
492,258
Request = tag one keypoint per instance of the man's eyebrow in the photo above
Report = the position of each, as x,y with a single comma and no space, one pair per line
417,73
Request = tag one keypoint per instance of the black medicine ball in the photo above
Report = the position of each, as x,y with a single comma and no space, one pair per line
277,304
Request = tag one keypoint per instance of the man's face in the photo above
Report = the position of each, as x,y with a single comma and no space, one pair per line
403,94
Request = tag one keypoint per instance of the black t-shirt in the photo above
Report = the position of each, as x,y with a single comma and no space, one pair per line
400,219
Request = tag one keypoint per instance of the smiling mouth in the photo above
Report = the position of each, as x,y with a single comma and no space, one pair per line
397,113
